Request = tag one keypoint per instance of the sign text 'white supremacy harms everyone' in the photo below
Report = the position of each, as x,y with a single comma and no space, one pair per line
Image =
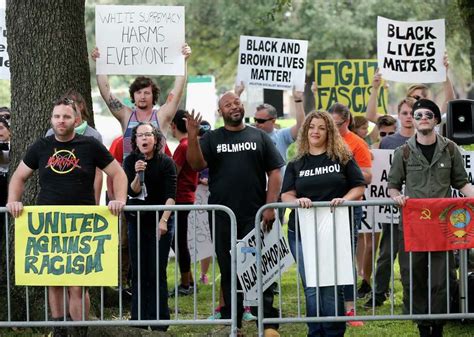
272,63
140,40
411,52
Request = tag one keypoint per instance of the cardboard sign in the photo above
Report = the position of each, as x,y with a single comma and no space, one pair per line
348,82
66,246
411,52
4,58
140,40
199,233
272,63
276,258
317,239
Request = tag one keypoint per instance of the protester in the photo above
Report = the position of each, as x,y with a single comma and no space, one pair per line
186,188
144,94
361,129
360,151
4,163
320,145
82,128
389,236
152,181
56,183
367,243
242,154
428,165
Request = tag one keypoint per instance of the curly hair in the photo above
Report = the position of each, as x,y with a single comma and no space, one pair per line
143,82
336,149
156,134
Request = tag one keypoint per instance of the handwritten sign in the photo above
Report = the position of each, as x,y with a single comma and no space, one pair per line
348,82
4,58
66,246
198,223
276,258
411,52
272,63
140,40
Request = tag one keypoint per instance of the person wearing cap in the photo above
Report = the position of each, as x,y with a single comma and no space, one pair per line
431,166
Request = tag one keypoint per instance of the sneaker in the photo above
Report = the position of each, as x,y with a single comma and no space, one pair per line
204,279
378,302
247,315
182,291
216,315
364,289
351,313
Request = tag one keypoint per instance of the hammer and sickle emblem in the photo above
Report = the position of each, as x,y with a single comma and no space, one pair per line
425,214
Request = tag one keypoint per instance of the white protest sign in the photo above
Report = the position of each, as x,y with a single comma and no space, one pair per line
411,52
468,159
317,232
198,222
272,63
140,40
4,58
378,188
276,258
368,221
201,95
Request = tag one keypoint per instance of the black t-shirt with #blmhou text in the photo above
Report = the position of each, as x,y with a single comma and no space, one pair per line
67,169
238,162
319,178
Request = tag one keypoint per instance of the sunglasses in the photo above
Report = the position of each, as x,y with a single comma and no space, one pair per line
416,97
262,120
419,115
383,133
5,116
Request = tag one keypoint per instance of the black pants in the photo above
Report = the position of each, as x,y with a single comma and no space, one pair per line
383,270
184,259
223,245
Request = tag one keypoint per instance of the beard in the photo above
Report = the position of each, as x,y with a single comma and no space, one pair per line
426,132
234,121
67,131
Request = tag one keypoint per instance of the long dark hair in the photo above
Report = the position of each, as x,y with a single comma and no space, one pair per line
156,133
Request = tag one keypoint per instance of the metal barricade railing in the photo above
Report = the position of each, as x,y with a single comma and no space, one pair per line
369,313
197,318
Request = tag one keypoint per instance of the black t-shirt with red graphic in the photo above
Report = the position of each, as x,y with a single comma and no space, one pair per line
67,169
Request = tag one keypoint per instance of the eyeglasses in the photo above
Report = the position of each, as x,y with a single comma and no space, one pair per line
145,134
419,115
383,133
262,120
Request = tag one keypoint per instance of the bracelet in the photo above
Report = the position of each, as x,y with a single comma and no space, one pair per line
298,100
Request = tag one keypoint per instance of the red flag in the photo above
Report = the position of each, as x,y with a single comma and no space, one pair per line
438,224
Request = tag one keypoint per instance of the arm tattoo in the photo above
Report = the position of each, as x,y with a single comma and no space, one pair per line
114,104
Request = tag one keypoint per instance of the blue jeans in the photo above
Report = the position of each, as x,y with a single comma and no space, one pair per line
326,298
148,272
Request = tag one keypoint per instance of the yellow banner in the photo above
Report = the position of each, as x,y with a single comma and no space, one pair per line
66,246
348,82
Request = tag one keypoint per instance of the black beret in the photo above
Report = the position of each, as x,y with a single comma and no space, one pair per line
427,104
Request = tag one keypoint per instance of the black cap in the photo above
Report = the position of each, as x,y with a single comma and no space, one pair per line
427,104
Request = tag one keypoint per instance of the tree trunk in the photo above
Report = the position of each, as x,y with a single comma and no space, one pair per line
466,8
48,55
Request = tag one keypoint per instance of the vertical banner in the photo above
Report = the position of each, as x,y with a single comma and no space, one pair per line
348,82
270,63
140,40
198,223
4,58
276,258
66,246
411,52
317,239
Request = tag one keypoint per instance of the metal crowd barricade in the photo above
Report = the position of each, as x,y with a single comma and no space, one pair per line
198,318
369,314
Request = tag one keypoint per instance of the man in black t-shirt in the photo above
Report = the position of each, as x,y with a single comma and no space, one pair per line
239,158
66,163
